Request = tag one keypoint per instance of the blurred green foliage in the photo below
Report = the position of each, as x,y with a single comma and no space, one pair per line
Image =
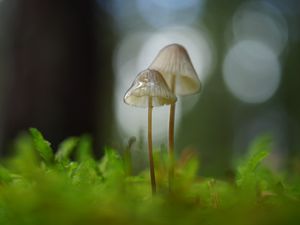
72,187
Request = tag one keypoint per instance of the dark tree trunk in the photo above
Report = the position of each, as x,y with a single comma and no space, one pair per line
55,70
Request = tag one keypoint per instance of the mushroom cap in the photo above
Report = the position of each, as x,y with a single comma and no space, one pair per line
173,62
149,83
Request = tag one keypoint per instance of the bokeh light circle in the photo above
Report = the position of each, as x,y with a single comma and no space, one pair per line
132,121
251,71
262,22
134,54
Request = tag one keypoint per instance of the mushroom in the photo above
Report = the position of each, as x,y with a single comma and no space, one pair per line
175,65
149,89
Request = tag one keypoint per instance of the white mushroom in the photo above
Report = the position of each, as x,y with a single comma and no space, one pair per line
175,65
149,89
149,84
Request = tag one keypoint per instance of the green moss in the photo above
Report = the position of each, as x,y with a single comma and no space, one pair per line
73,187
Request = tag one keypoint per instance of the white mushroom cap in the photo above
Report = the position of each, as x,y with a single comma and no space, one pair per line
173,62
149,83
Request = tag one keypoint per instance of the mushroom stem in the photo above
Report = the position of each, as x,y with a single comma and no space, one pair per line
152,173
171,136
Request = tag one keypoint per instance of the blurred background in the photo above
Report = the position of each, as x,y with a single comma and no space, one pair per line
65,66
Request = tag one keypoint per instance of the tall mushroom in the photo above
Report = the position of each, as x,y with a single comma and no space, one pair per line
175,65
149,89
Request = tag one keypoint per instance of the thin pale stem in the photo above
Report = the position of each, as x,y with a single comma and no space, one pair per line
152,173
171,136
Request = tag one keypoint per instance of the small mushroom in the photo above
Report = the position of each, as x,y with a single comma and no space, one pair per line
149,89
175,65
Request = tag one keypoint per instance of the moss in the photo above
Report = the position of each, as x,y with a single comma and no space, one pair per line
73,187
